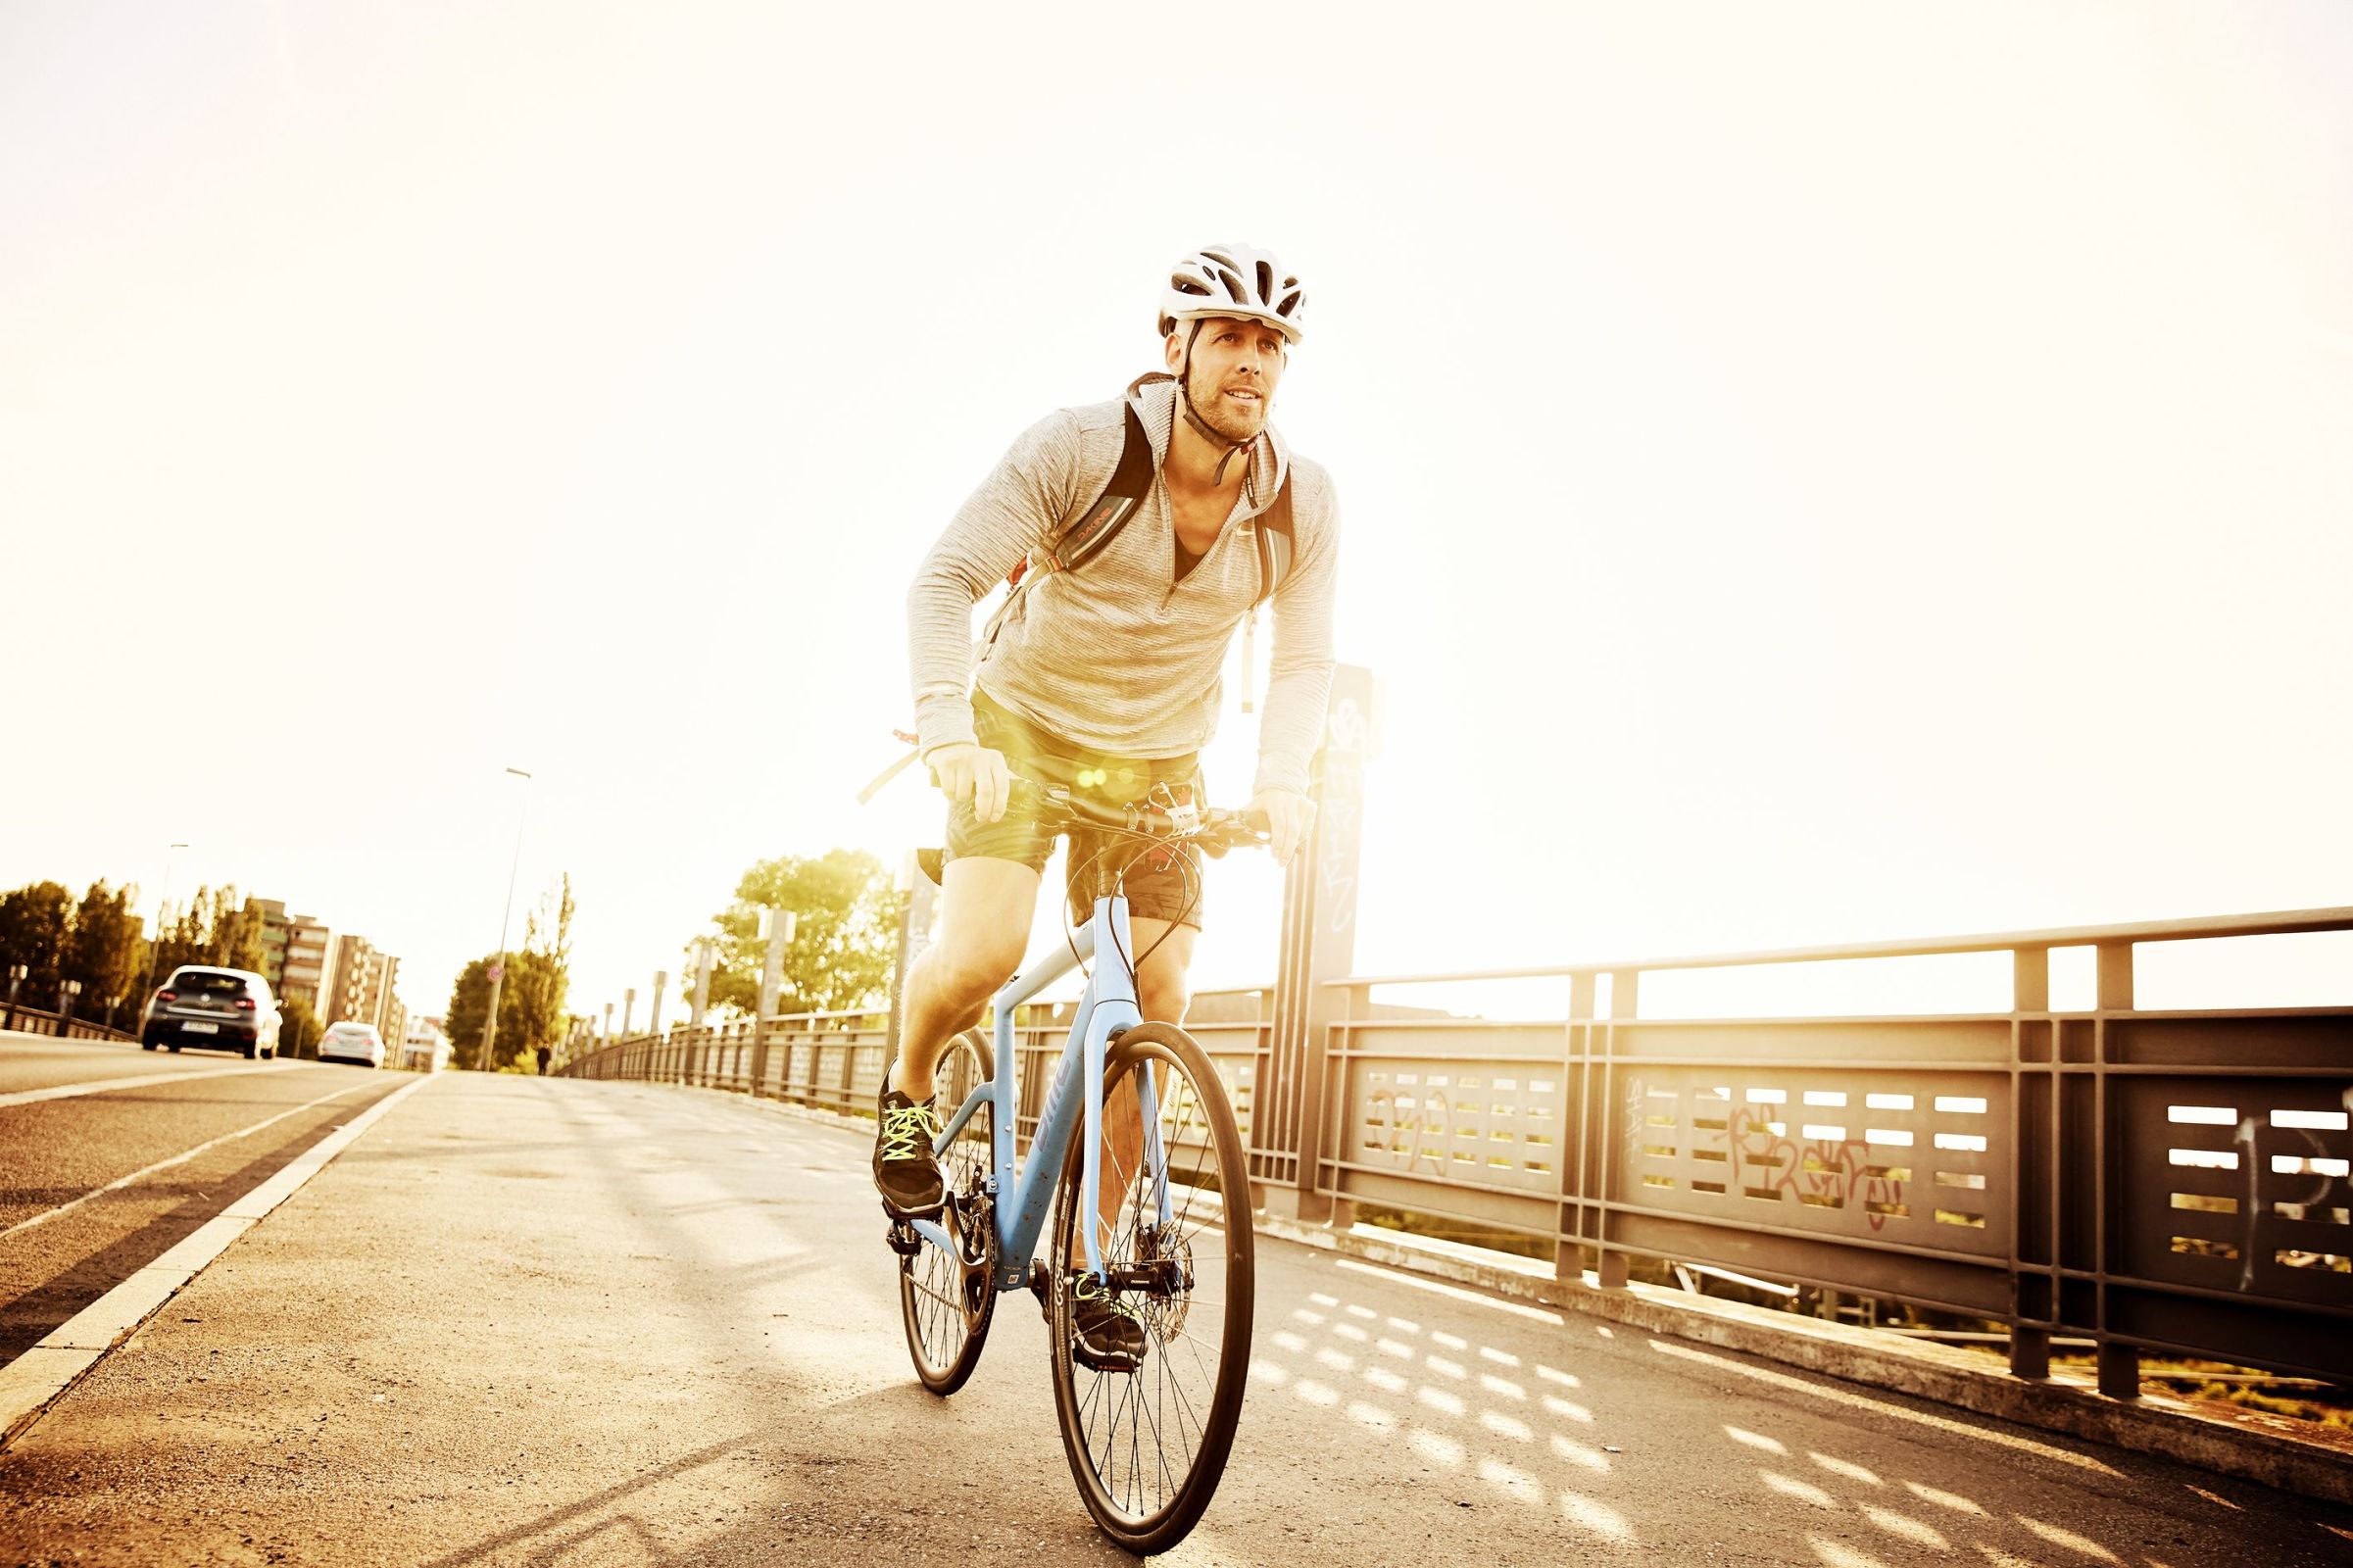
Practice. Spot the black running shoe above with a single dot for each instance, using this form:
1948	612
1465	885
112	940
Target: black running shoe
1107	1334
905	1170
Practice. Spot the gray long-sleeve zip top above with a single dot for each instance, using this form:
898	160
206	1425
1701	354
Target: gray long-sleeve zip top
1119	655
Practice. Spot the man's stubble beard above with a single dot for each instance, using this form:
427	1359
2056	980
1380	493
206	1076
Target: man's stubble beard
1222	417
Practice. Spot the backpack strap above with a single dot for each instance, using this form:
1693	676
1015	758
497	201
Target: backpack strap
1082	541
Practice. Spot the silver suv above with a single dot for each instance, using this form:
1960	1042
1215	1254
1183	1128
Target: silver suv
221	1009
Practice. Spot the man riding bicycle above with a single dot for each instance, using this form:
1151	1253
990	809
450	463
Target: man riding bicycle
1102	673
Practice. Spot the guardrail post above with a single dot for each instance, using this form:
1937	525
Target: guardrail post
700	1003
1624	996
1577	1149
914	935
2119	1363
1319	940
2034	1293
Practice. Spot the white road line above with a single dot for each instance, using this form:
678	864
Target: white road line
25	1097
49	1214
34	1381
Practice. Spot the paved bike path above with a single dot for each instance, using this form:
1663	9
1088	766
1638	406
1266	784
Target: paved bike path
584	1323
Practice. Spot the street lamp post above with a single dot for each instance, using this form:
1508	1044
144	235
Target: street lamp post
498	970
147	972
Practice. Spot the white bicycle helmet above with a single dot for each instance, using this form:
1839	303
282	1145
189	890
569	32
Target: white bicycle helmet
1233	280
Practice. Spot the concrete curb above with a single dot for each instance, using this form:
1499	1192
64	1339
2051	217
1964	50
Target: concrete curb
34	1381
2223	1440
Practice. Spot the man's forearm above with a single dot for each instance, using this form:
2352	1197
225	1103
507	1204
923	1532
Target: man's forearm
1293	726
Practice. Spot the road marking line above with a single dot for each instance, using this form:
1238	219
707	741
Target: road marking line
25	1097
32	1383
48	1214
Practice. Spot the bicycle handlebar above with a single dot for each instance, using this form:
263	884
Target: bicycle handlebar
1216	829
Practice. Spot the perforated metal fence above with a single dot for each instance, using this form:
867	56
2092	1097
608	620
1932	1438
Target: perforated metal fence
2166	1181
834	1061
2162	1181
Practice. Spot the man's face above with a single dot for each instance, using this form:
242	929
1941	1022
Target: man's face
1236	367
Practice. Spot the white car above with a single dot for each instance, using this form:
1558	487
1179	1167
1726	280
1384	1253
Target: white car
351	1042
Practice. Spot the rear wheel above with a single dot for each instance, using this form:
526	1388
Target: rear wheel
1147	1446
947	1301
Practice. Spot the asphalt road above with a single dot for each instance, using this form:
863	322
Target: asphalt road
193	1145
555	1322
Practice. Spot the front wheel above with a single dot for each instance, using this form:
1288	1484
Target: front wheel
947	1301
1173	1223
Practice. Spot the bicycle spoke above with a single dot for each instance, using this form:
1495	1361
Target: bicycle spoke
1147	1443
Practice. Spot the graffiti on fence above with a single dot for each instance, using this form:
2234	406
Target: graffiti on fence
1401	1127
1633	1118
2312	1159
1823	1172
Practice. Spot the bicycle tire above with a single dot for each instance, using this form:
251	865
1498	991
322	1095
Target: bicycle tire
1144	1496
947	1304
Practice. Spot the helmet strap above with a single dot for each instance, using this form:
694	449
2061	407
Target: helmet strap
1201	426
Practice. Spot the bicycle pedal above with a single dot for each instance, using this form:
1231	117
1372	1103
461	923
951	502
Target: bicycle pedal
903	1238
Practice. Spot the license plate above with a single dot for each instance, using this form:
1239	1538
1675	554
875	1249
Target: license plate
199	1028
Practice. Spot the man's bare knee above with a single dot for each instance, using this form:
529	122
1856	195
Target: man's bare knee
965	973
985	913
1165	1002
1163	991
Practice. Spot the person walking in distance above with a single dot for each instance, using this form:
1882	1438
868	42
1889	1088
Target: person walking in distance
1139	535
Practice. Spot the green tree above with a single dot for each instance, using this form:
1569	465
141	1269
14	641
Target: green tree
532	996
213	928
542	984
232	929
299	1028
104	950
37	924
844	944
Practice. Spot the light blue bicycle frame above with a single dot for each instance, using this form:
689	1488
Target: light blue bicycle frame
1023	1193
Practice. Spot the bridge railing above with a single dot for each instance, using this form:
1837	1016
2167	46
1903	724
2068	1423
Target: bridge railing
2169	1180
39	1021
835	1060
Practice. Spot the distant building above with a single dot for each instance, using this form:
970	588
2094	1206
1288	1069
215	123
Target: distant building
277	928
341	978
362	988
425	1048
307	970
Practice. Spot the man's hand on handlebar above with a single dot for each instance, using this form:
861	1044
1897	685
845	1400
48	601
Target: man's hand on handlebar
975	773
1287	817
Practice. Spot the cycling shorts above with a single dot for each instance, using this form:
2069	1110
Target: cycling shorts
1163	883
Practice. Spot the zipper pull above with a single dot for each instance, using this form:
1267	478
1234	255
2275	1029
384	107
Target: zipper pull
1250	662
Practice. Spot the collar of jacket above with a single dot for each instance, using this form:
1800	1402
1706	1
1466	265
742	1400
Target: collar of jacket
1153	397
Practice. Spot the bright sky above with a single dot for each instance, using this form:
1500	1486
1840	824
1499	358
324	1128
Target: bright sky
1811	474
